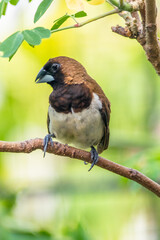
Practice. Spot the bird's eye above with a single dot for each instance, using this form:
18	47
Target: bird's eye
55	67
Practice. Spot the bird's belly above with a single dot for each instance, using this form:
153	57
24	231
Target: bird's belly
83	129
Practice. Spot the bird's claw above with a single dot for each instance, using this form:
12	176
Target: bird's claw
85	163
94	157
47	139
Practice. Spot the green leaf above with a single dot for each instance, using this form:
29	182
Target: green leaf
42	32
4	8
10	57
31	37
20	234
1	7
60	21
80	14
14	2
11	44
42	8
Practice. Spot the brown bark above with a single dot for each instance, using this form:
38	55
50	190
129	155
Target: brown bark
147	31
125	32
64	150
152	47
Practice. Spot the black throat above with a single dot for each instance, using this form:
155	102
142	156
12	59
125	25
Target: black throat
66	98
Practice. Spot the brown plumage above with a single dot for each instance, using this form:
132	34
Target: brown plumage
77	99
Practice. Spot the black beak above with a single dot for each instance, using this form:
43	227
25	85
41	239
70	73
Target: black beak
44	77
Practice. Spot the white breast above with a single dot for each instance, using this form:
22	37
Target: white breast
83	129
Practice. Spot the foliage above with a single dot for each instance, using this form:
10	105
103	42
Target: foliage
34	36
10	46
58	22
44	5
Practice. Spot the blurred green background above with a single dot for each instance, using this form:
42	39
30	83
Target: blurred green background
57	198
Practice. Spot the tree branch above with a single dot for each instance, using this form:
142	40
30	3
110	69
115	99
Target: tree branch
77	25
152	47
64	150
146	29
119	6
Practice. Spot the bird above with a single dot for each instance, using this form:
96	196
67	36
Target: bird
79	111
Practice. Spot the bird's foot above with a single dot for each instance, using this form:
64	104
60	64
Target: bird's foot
94	157
47	139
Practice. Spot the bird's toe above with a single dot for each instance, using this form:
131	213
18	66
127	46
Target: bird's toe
47	139
94	157
85	163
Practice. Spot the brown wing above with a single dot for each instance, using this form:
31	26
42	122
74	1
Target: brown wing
48	121
105	113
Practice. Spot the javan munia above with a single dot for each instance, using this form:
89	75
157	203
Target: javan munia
79	111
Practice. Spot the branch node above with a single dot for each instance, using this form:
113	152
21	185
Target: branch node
77	25
133	173
151	27
125	32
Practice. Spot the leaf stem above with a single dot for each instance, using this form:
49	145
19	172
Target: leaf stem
87	21
74	19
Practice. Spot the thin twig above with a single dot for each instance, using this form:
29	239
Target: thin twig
64	150
125	32
77	25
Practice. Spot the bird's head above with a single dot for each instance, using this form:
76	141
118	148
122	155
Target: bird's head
61	70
